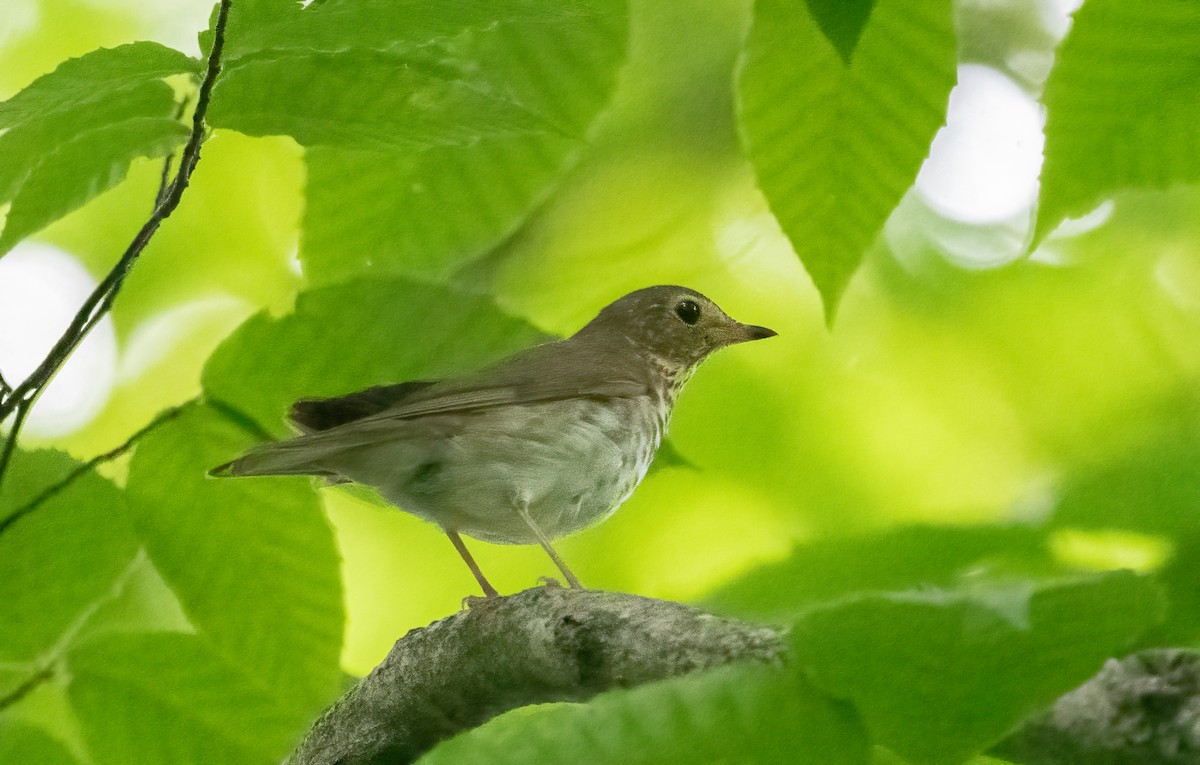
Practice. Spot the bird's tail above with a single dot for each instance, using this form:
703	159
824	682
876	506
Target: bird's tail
295	457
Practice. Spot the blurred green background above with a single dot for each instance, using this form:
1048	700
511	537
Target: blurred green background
977	423
944	392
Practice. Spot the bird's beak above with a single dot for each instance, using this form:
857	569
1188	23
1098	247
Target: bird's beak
744	333
753	332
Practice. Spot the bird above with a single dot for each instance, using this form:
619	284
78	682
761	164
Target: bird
536	446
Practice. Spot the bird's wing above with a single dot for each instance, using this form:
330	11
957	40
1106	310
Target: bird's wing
550	372
467	398
311	415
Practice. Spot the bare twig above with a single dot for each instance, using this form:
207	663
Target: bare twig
10	443
164	180
164	416
100	300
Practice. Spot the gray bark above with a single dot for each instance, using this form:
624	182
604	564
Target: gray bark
541	645
1141	710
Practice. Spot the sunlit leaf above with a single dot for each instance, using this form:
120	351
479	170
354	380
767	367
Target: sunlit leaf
252	562
92	77
374	75
87	165
899	559
426	212
21	743
172	698
940	676
60	560
837	145
72	133
842	22
1123	110
738	714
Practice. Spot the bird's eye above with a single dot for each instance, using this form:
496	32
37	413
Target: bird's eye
687	311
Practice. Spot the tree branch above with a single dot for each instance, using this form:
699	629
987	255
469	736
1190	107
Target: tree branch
1144	708
100	300
541	645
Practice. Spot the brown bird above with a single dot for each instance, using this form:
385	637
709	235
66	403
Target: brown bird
543	443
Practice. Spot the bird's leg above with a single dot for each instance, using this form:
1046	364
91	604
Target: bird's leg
488	590
523	509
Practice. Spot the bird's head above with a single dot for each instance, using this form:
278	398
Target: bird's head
676	324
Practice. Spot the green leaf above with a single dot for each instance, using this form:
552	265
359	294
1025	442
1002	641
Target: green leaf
1123	109
1152	488
735	714
28	745
421	213
836	146
58	562
939	676
842	22
171	698
427	212
24	147
71	134
91	163
897	559
352	336
1180	577
92	77
253	563
380	75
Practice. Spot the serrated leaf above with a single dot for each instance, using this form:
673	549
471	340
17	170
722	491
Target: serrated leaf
940	676
172	699
253	563
24	146
735	714
94	76
59	560
363	76
352	336
894	560
836	146
364	99
71	134
425	213
1123	109
89	164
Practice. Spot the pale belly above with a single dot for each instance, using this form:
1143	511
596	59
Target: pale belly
572	463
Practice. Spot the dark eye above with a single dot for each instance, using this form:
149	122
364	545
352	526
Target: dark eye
688	311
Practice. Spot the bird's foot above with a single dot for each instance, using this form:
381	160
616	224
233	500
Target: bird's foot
474	601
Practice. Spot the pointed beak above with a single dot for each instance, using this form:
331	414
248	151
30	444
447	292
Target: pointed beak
753	332
744	333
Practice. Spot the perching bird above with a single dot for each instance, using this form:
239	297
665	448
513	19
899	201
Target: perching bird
541	444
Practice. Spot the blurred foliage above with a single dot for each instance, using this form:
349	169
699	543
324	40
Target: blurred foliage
932	493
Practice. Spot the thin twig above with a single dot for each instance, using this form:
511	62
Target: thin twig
45	674
5	388
164	180
162	417
10	442
100	300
